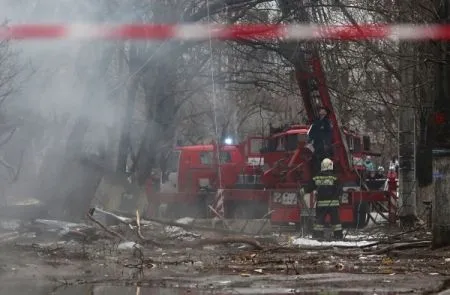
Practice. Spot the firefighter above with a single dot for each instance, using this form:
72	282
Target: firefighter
328	192
320	136
380	173
376	179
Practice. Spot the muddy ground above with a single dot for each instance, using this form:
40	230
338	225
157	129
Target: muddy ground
376	260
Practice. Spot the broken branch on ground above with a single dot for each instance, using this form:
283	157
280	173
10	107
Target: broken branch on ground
135	225
106	229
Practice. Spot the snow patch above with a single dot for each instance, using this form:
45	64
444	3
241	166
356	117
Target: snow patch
28	202
310	242
59	223
11	224
178	232
128	246
185	220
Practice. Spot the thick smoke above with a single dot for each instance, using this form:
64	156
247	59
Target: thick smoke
63	95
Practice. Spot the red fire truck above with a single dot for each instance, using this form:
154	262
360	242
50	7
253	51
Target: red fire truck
262	177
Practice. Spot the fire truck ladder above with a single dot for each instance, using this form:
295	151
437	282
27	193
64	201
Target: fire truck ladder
315	94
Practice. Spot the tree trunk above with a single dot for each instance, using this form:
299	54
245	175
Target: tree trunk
146	157
441	202
424	160
157	75
407	181
125	139
134	68
81	170
407	139
160	98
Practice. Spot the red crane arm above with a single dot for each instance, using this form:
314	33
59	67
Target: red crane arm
312	83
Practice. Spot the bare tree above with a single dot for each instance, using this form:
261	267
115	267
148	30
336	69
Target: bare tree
166	76
10	70
9	83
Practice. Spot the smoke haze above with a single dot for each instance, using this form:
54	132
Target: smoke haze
63	94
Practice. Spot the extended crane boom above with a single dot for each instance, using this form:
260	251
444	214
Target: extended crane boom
312	84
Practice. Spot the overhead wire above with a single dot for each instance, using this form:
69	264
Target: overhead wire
213	95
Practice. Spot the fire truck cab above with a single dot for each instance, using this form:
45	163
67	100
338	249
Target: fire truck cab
192	167
192	171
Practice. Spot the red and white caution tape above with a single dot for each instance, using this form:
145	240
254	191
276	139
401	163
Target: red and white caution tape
198	32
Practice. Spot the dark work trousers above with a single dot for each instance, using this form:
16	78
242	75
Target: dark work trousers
321	151
324	208
317	158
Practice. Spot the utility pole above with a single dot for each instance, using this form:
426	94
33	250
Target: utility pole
441	137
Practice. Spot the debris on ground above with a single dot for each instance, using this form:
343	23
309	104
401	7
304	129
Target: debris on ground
182	247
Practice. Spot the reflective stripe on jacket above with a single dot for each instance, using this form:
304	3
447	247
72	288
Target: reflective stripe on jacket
328	203
327	187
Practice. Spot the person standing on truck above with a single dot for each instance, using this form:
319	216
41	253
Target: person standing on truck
395	163
368	164
320	136
329	191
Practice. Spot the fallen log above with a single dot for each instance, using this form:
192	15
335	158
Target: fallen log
202	242
197	227
225	240
132	221
390	238
400	246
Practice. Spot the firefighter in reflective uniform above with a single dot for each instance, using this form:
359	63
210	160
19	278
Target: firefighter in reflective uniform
328	192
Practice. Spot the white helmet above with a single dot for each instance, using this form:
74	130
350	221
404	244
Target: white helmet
380	169
327	165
